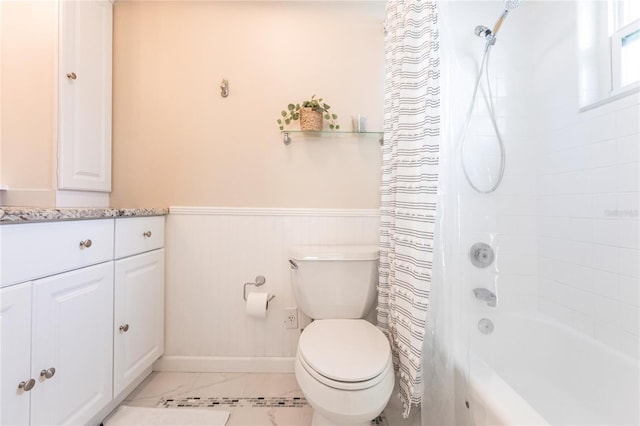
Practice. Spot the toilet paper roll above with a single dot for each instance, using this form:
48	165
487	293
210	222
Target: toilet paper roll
257	305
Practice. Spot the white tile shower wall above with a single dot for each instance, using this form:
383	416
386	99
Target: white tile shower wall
212	252
505	219
587	199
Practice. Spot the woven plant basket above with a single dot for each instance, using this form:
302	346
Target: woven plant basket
310	120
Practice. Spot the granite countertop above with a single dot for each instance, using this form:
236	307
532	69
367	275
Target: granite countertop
44	214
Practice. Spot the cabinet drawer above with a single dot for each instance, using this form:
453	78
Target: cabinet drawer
138	234
35	250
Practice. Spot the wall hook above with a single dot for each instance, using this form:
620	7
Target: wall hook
287	138
224	88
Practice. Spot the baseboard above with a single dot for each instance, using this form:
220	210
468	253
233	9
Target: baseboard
205	364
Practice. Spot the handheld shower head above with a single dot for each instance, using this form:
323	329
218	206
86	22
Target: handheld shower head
490	35
509	5
512	4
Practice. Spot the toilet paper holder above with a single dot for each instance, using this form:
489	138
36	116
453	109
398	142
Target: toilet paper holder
260	280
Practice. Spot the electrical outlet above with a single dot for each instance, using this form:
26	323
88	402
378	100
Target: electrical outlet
291	318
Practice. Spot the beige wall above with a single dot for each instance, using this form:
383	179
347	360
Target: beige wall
28	51
176	141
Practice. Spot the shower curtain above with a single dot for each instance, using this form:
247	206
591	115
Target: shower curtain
409	185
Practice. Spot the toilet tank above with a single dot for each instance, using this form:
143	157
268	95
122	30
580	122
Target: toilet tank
332	282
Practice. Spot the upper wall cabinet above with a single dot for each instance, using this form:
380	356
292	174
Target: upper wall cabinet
84	81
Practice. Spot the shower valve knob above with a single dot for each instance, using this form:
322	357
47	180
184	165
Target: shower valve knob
481	255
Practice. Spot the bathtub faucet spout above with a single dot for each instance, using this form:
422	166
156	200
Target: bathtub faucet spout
485	295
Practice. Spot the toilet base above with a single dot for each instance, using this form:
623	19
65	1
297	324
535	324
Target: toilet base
334	407
320	420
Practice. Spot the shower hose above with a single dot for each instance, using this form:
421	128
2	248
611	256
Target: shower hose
484	69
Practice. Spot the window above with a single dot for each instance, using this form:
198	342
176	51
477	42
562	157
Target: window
624	25
609	50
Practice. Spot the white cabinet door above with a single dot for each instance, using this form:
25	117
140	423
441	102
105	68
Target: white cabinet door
15	353
139	316
85	95
72	332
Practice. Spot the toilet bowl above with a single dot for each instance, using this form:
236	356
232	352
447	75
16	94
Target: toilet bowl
343	363
345	370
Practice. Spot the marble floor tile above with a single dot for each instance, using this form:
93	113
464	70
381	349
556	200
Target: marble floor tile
269	417
157	385
265	384
160	386
221	384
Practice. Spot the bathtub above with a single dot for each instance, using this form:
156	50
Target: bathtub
534	371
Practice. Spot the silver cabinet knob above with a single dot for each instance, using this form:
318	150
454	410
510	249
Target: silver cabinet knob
72	76
124	328
85	244
48	373
146	234
27	386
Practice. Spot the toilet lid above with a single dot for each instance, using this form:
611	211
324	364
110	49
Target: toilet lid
345	350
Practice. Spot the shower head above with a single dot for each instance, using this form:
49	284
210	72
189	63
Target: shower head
509	5
490	35
512	4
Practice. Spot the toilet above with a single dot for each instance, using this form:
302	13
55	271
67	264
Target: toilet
343	363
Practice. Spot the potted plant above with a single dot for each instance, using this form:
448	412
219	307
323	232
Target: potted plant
310	113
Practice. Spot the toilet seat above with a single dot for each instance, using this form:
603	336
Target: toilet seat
345	386
346	354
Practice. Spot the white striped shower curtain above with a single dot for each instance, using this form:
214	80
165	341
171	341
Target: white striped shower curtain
409	184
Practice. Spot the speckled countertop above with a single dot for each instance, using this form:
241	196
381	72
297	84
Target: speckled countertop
43	214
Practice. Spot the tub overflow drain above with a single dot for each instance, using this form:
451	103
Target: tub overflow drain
485	326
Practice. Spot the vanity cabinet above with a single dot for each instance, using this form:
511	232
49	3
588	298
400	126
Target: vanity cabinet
37	250
56	347
75	335
84	81
139	298
16	380
71	333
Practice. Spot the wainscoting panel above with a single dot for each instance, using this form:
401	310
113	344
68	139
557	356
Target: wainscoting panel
212	252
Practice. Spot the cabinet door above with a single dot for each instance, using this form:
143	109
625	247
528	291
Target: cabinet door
85	95
72	332
15	353
139	316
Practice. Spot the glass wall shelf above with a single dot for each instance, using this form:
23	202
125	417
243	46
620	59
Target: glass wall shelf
324	133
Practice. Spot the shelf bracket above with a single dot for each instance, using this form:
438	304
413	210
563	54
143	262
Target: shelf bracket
286	138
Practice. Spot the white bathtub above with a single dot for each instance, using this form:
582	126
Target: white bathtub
535	371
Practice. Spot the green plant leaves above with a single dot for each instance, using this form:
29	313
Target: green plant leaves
293	112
